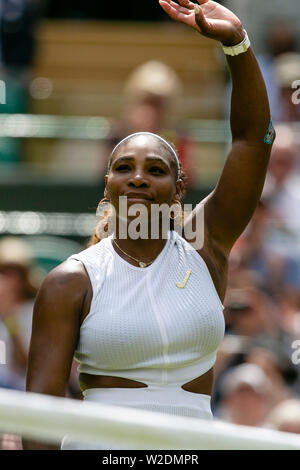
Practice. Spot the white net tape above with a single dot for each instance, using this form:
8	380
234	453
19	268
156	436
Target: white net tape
49	419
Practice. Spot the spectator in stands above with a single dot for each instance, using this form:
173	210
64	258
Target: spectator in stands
275	266
249	312
17	290
285	417
270	12
287	71
279	65
246	396
272	356
10	442
256	330
280	39
281	191
151	93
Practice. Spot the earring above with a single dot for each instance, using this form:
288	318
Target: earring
179	212
105	226
103	206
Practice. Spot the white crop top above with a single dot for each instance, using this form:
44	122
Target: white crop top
141	326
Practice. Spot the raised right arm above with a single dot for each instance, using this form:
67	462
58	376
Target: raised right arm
56	321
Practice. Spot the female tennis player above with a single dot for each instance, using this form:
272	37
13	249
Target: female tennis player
144	317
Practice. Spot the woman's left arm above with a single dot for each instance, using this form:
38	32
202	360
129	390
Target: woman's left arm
229	208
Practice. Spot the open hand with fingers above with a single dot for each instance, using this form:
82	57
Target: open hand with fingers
208	18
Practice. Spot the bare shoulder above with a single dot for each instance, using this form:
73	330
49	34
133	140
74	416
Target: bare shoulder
69	272
69	277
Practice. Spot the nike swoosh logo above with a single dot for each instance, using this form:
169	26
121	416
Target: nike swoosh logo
182	284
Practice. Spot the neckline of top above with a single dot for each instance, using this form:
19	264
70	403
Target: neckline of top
136	268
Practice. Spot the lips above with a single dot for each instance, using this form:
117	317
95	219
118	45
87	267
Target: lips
142	196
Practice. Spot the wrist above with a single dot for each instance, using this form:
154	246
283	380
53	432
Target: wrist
236	38
238	48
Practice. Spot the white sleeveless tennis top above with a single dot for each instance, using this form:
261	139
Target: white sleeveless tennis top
141	326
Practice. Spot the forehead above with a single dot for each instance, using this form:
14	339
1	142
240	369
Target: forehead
142	145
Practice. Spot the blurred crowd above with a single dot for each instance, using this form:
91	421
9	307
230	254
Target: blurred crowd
257	374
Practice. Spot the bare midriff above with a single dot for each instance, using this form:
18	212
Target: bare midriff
202	384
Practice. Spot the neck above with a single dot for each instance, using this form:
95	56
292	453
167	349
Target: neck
142	249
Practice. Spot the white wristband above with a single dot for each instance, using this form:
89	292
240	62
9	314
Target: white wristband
239	48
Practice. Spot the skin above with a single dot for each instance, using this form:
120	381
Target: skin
65	296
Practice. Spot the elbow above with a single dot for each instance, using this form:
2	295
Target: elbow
270	135
257	138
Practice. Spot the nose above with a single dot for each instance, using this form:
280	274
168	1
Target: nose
138	180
